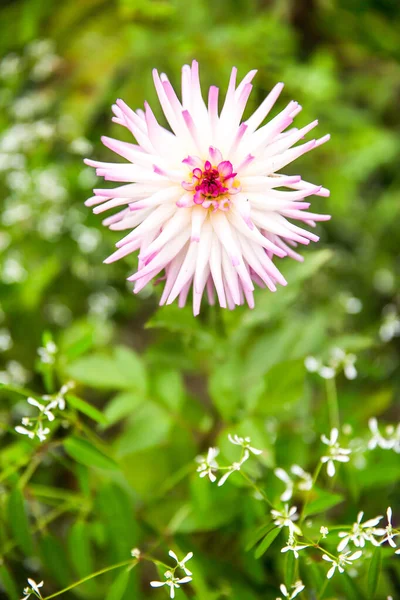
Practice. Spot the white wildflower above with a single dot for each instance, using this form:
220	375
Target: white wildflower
391	440
171	581
234	467
208	465
286	518
24	431
244	443
341	561
389	531
338	360
181	563
361	533
48	353
289	483
292	546
58	400
135	553
297	588
327	372
324	531
42	433
312	364
304	481
390	327
5	340
45	410
352	305
335	452
33	589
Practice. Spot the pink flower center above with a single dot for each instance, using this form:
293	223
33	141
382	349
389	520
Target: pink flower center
212	186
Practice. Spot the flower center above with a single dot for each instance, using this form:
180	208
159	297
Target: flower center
211	185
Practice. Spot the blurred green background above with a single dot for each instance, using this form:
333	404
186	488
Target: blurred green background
179	383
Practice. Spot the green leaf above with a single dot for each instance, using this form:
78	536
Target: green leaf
85	453
169	388
123	369
80	549
87	409
116	510
150	428
118	587
350	588
374	570
289	569
223	387
283	386
8	583
121	406
55	559
266	542
324	501
18	521
256	535
45	271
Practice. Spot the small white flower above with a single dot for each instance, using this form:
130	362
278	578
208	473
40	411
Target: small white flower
341	561
33	589
234	467
208	465
244	443
327	372
46	410
288	481
293	547
390	442
390	327
135	553
335	452
286	518
352	305
47	354
42	433
57	400
361	533
181	563
389	531
171	581
339	358
24	431
324	531
305	478
304	483
312	364
297	588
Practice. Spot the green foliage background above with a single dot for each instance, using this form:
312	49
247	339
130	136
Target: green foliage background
169	385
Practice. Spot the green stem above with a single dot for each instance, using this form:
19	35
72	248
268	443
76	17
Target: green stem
125	563
307	498
256	488
323	589
333	405
33	465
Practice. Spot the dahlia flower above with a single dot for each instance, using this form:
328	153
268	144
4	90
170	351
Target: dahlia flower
205	204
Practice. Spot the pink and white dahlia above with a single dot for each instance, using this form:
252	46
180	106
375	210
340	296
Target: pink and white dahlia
205	203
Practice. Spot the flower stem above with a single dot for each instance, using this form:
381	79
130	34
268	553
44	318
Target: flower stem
256	488
333	405
125	563
307	498
323	589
